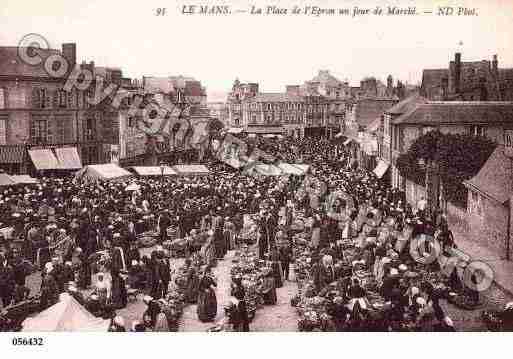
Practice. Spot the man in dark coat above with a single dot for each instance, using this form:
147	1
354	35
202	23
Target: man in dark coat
7	282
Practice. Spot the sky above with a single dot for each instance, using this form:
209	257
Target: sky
273	50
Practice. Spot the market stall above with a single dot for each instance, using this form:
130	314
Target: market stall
67	315
108	171
191	170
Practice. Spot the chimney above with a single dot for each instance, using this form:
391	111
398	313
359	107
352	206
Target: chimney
69	51
457	72
495	66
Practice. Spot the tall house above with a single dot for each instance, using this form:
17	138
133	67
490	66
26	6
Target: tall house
468	81
36	111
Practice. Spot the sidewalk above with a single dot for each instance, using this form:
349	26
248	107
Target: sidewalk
502	269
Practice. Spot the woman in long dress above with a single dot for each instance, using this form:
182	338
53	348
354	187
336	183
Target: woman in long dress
207	301
208	250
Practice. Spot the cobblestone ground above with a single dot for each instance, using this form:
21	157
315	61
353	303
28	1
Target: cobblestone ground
282	317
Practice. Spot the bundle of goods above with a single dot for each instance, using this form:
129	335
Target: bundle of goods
172	306
176	247
313	314
12	316
248	269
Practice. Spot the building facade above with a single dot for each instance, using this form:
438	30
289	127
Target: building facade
316	108
36	111
468	81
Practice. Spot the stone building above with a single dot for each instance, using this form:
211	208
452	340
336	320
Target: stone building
316	108
36	111
468	81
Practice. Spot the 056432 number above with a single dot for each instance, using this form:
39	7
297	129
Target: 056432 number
21	341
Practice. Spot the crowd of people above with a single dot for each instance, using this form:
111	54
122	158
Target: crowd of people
85	235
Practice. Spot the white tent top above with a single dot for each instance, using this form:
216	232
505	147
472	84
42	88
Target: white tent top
154	171
235	130
292	169
191	169
338	135
6	180
267	170
103	171
24	179
65	316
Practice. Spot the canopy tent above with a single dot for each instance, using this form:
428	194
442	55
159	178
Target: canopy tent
235	130
132	187
44	159
381	168
292	169
24	179
68	158
67	315
105	171
187	170
154	171
6	180
272	135
302	166
266	170
338	135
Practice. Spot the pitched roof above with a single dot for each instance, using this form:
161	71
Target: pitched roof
11	63
367	110
276	97
432	78
406	105
437	112
506	74
494	179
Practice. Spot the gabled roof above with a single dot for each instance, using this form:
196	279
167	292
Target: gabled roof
12	65
406	105
494	179
432	78
437	112
369	109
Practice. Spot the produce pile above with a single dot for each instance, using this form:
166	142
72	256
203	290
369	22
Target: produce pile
315	308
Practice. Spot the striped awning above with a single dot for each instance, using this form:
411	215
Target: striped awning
12	154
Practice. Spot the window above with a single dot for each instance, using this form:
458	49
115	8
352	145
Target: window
90	132
269	107
60	131
39	131
427	129
2	98
478	130
131	122
269	118
62	99
42	98
475	205
253	119
3	131
236	122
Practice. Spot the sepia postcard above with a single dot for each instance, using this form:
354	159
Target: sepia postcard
255	166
